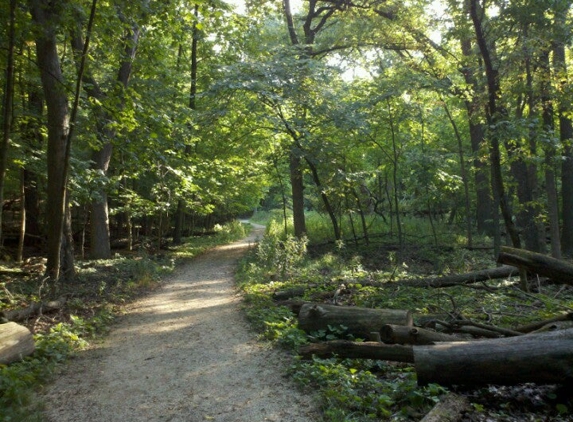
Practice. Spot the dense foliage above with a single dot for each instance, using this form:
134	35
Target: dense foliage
428	125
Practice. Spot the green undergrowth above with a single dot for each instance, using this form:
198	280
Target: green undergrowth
96	296
362	390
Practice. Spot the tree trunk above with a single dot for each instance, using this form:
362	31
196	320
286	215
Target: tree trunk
557	270
44	15
325	201
353	350
16	341
180	212
484	216
565	133
496	116
7	108
359	322
99	234
296	180
33	144
545	358
550	182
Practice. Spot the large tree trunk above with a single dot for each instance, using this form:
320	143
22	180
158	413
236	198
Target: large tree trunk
545	358
359	322
7	108
16	341
99	223
45	16
363	350
557	270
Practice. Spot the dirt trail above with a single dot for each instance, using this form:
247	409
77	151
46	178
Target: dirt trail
184	353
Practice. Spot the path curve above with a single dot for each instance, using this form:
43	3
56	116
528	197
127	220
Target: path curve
184	354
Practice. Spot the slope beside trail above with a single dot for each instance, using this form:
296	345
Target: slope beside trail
183	353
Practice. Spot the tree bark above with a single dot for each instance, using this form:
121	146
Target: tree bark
565	131
45	16
16	341
296	180
7	108
353	350
359	322
557	270
496	116
550	180
545	358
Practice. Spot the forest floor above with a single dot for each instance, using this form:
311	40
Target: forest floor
183	353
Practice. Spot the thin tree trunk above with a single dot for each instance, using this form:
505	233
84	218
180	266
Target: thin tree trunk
496	115
464	175
550	183
566	137
395	178
7	108
296	180
22	236
180	213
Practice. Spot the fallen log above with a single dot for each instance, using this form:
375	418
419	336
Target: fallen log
16	341
449	409
457	279
354	350
33	309
540	324
400	334
544	358
359	322
557	270
289	293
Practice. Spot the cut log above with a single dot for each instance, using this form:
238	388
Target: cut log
353	350
16	341
544	358
33	309
400	334
557	270
359	322
449	409
457	279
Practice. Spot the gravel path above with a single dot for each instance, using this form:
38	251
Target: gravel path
184	353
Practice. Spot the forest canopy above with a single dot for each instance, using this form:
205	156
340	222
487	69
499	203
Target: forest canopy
124	120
